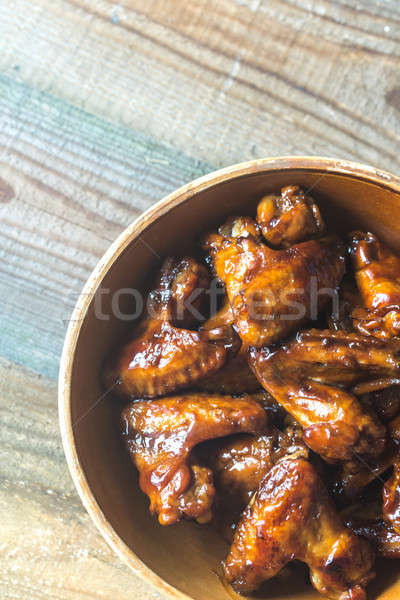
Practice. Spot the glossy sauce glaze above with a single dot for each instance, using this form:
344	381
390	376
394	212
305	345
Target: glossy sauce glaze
276	417
292	518
160	436
377	272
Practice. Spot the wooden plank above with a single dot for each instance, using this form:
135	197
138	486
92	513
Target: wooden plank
49	547
71	182
223	81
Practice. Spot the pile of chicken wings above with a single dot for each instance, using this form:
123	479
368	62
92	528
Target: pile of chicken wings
277	417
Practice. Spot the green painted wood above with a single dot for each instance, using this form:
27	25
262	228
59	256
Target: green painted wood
76	182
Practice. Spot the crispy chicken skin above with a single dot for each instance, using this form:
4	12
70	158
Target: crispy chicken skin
272	292
160	435
162	357
377	271
290	518
297	375
289	218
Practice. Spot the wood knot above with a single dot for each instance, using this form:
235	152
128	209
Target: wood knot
6	192
393	98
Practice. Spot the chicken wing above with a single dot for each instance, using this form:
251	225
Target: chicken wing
162	357
366	520
272	292
352	477
391	498
160	435
235	377
377	271
237	227
380	524
296	374
339	357
348	299
184	283
289	218
384	539
385	402
290	518
240	462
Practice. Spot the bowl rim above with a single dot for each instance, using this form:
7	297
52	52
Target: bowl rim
134	230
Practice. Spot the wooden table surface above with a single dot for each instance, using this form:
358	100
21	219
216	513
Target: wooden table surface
104	108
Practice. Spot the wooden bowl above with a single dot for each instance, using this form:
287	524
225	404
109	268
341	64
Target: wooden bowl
181	561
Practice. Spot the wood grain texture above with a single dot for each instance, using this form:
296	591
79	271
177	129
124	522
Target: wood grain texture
230	80
106	107
71	183
49	548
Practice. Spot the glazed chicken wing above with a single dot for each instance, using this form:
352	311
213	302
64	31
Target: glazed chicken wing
238	227
380	524
385	402
348	299
240	462
391	498
272	292
163	355
235	377
299	375
289	218
353	476
290	518
184	283
377	271
339	357
384	539
160	435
